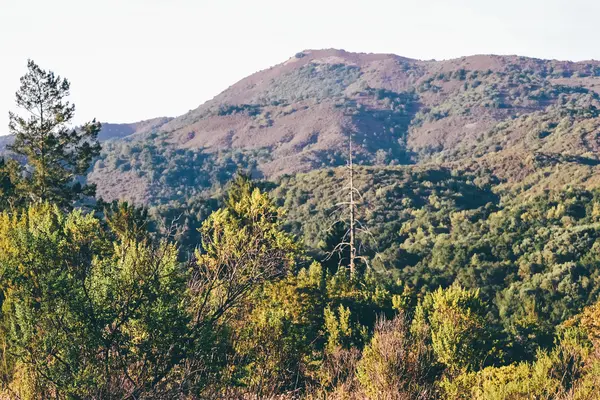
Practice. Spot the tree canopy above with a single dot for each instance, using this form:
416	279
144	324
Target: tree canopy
55	153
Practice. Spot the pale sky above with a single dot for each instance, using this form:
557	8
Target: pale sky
130	60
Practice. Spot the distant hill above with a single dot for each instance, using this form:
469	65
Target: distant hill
5	141
532	123
413	110
118	131
110	131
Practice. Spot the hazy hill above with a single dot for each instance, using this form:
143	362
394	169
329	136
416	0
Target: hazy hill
5	141
119	131
114	131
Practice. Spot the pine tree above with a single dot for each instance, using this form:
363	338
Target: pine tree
56	154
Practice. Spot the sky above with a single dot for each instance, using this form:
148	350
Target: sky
130	60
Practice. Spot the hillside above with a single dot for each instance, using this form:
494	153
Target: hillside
419	230
5	141
515	117
433	227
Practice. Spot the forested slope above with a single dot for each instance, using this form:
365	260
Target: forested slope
456	256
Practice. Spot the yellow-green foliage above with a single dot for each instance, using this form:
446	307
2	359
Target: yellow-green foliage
457	326
588	386
560	373
242	245
78	309
338	326
521	381
98	308
275	337
590	322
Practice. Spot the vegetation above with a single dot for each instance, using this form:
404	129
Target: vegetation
95	307
55	154
224	287
312	81
158	173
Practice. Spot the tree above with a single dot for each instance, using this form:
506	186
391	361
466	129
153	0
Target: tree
127	221
8	179
349	241
243	247
456	325
84	316
56	154
276	343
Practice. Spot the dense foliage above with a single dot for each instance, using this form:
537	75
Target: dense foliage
96	307
227	288
534	262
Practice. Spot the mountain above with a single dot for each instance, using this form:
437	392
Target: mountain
514	117
531	123
476	213
5	141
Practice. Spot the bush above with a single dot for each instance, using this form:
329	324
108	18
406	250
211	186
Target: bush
396	364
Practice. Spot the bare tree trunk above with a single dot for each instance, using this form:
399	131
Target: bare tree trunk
352	221
349	240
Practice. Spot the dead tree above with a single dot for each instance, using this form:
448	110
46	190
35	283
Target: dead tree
349	240
352	209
